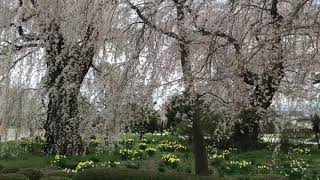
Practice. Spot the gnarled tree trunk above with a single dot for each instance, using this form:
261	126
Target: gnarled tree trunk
265	86
66	69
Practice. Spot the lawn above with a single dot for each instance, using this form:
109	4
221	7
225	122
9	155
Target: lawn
160	156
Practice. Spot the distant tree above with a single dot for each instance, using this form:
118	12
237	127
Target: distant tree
144	119
211	122
174	107
245	134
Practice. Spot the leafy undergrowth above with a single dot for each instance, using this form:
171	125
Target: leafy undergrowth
162	156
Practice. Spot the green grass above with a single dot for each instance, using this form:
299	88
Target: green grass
13	156
29	162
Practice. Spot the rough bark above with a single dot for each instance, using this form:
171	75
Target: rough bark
265	87
318	139
199	148
66	69
316	128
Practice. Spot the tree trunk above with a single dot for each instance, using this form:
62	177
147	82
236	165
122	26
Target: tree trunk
66	69
62	125
199	148
318	139
265	85
245	133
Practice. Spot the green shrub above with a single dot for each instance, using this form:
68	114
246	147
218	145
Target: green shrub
1	167
156	138
32	174
10	170
94	141
11	150
84	165
147	141
295	168
239	167
171	146
170	160
128	142
144	119
245	133
69	165
32	145
13	176
151	151
59	161
130	154
94	159
142	146
63	162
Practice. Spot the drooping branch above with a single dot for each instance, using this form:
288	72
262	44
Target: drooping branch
248	76
151	24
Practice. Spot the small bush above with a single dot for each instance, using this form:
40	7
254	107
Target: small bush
142	146
11	150
13	176
84	165
147	141
171	160
151	151
32	174
33	145
59	161
171	146
94	159
130	154
94	141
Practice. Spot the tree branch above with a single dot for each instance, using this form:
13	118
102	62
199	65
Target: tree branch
150	24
